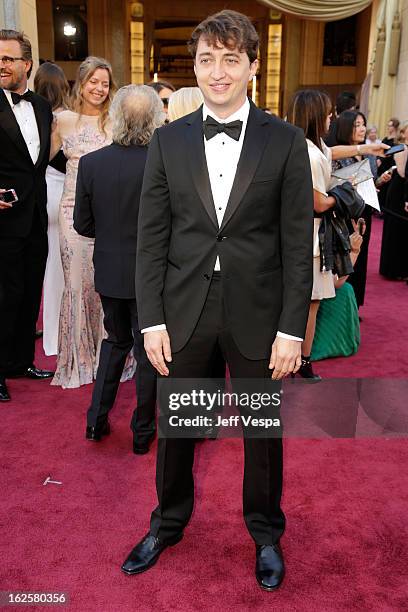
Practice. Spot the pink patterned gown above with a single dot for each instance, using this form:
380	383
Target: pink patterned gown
81	317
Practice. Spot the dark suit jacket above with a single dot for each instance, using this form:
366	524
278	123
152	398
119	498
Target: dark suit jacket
17	170
264	243
106	207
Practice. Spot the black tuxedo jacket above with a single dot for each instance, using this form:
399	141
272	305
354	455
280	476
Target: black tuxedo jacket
17	170
264	243
107	199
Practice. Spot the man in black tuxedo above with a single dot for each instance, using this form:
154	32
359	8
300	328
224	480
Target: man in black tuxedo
224	263
346	100
25	127
106	208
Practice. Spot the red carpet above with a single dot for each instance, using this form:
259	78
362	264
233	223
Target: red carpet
346	501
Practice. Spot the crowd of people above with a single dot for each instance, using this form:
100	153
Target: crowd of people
72	323
72	175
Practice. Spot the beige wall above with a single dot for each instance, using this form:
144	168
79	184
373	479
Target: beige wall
107	35
312	71
303	58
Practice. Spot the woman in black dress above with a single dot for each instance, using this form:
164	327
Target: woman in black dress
385	163
394	246
351	130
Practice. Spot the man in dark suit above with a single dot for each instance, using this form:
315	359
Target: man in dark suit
25	127
224	264
346	100
106	208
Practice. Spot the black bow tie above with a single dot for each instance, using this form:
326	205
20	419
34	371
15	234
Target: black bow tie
212	128
17	98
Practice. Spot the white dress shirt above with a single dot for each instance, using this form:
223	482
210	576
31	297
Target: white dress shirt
222	155
25	117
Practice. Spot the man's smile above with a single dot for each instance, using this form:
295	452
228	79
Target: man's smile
220	87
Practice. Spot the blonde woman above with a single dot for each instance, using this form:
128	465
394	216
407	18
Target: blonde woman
183	102
81	130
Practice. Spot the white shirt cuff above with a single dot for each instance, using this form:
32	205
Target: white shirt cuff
160	327
288	336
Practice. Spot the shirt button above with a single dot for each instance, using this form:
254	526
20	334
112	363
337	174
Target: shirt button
220	209
220	175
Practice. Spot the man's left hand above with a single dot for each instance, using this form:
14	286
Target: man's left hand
286	357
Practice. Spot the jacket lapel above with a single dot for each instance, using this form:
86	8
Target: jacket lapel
198	163
253	146
9	124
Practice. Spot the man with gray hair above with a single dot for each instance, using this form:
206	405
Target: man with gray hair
108	191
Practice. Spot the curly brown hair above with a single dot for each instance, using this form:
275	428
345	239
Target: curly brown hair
230	29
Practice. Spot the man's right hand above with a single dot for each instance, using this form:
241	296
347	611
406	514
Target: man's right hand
4	205
157	345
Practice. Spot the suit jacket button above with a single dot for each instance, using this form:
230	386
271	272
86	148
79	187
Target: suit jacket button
221	238
207	276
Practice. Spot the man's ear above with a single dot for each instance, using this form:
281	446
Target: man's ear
194	67
253	69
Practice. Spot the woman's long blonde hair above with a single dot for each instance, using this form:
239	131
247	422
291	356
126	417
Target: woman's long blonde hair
85	72
183	102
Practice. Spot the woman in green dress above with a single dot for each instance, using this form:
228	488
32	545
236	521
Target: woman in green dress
337	326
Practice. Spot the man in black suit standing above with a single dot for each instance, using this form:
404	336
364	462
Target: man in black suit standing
224	264
106	208
25	127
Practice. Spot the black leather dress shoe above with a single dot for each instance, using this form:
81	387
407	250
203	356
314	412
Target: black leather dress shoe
269	569
37	374
141	448
31	372
4	394
147	553
95	433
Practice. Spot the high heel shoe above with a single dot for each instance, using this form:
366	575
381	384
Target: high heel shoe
306	371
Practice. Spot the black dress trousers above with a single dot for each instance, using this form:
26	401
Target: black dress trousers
22	268
262	488
121	324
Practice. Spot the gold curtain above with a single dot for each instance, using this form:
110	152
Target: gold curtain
319	10
382	97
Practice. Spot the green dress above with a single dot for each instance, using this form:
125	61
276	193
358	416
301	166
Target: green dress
337	326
